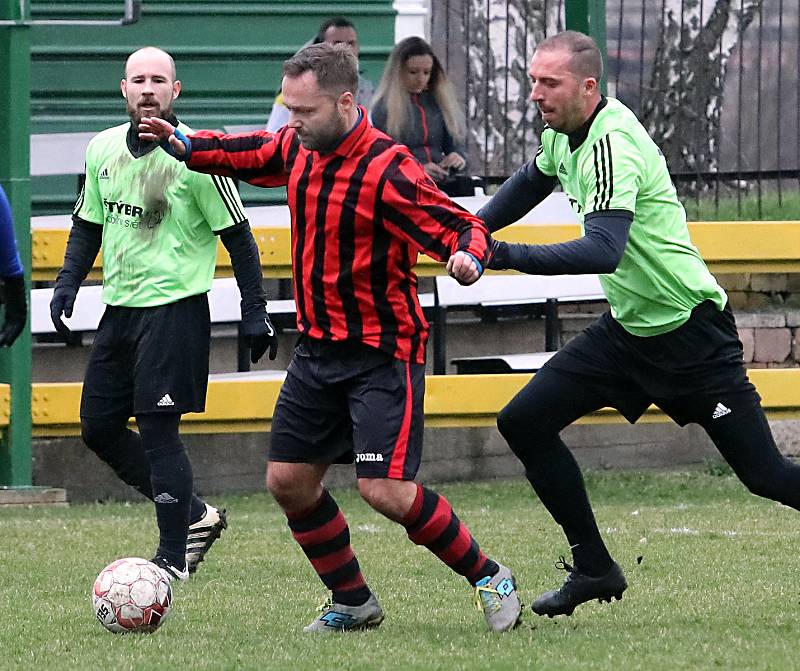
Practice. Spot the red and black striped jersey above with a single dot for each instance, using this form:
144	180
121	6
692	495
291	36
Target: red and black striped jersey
360	214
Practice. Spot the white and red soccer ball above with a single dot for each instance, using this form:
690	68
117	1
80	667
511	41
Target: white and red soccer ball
131	594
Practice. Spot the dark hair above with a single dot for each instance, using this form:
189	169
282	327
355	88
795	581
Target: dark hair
333	22
586	59
334	65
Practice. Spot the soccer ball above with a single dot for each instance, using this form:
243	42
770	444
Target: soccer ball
131	594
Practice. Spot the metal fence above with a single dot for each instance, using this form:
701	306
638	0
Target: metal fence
715	82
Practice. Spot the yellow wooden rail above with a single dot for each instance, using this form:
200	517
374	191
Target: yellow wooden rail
5	407
245	402
727	247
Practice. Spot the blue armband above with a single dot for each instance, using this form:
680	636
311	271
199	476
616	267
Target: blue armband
477	263
167	147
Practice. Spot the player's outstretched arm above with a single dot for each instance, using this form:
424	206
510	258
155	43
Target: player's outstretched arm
518	195
175	143
600	250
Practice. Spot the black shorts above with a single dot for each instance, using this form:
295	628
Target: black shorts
679	371
345	401
149	360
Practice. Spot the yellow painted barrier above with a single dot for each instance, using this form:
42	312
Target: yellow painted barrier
5	407
245	402
727	247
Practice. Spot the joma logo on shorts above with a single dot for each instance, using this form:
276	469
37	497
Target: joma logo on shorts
368	456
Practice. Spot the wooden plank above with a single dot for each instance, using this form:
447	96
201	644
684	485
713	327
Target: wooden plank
25	497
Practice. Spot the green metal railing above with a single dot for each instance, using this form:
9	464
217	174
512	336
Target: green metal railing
15	363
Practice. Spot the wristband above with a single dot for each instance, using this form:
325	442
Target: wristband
477	263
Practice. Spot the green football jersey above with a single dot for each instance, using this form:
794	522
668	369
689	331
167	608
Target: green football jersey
158	220
661	276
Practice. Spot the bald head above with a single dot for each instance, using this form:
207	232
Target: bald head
151	56
149	85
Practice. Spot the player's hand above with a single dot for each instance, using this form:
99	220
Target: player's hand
16	310
61	304
464	268
155	129
259	334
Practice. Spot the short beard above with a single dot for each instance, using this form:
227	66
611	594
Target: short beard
136	118
328	142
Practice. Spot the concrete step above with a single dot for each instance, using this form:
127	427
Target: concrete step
12	497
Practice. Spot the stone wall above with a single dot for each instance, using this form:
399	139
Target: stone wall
767	309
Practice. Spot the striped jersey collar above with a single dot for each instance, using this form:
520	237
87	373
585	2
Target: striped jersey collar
577	137
351	139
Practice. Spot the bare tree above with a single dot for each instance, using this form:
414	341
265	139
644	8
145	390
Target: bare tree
501	37
682	108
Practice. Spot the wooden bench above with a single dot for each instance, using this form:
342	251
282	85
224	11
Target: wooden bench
223	302
495	293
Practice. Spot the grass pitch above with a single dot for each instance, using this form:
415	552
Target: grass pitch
712	572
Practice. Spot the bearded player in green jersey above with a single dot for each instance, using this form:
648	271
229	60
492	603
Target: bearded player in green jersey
158	223
670	337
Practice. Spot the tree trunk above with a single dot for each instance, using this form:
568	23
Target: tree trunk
501	37
682	107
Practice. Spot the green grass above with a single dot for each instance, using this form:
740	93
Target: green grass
716	586
730	209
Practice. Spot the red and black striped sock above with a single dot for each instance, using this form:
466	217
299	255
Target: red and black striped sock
431	522
323	534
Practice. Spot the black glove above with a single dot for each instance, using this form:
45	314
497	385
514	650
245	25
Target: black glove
16	310
259	334
61	303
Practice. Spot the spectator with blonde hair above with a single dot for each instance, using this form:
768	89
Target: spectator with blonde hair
415	104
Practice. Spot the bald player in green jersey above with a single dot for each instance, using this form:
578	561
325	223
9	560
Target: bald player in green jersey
670	337
158	224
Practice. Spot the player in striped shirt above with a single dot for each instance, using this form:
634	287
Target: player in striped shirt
362	208
158	225
670	337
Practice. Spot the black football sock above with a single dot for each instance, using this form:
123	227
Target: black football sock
122	450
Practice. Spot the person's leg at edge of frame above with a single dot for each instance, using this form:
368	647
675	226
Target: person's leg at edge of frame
172	483
321	530
531	424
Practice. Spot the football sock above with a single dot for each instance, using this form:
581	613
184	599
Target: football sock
431	522
171	478
559	484
122	450
324	536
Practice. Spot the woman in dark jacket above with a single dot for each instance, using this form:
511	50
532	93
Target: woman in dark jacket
415	104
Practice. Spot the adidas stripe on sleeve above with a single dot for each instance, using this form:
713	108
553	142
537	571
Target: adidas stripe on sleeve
611	174
219	201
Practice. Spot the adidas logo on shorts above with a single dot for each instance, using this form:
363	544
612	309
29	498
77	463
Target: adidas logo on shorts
720	411
166	400
165	497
